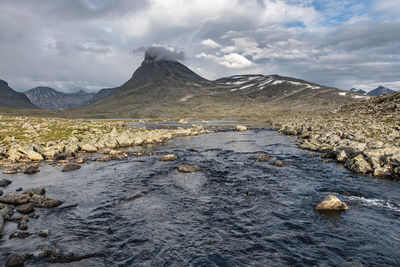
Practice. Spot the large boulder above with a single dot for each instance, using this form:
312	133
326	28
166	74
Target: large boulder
124	139
331	203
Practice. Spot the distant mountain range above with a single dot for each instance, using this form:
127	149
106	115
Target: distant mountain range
12	99
376	92
48	98
166	88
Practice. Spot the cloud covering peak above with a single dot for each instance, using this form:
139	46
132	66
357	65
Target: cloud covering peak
161	53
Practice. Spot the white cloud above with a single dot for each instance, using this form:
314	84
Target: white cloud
210	43
232	60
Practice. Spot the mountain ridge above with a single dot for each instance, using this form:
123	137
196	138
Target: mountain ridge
12	99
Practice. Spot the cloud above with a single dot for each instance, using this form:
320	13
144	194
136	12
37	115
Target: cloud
160	52
87	43
232	60
210	43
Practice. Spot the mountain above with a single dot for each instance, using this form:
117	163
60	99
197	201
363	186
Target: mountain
380	91
103	93
12	99
48	98
358	91
167	88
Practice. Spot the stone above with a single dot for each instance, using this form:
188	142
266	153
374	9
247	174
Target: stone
88	148
278	163
169	157
15	260
342	156
124	139
45	202
10	171
70	167
26	208
30	169
241	128
331	203
37	190
15	198
106	158
4	182
189	168
44	233
263	158
6	211
23	225
19	235
80	161
358	165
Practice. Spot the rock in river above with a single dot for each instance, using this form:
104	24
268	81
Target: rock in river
169	157
331	203
30	169
26	208
263	158
4	182
15	260
15	198
70	167
278	163
189	168
45	202
241	128
358	164
38	191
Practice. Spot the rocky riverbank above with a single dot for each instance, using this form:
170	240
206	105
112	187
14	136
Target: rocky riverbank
25	142
365	137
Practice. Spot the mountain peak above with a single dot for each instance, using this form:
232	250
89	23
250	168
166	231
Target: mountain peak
381	90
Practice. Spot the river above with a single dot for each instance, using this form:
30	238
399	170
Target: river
235	212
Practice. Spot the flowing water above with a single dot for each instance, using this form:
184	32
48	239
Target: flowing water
236	212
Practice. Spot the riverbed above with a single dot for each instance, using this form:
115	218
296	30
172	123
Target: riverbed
235	212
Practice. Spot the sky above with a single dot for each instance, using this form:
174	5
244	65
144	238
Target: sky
94	44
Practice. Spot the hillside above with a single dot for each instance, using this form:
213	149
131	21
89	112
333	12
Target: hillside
12	99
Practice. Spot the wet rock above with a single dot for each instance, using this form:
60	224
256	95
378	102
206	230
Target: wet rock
278	163
23	225
70	167
30	169
136	196
19	235
15	198
189	168
26	208
45	202
358	164
1	193
241	128
106	158
331	203
6	211
18	189
80	161
15	260
44	233
169	157
4	182
38	191
263	158
10	171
